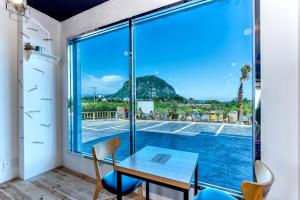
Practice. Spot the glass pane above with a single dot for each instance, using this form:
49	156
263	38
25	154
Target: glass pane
103	102
194	87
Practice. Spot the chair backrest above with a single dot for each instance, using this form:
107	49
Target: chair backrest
258	190
102	150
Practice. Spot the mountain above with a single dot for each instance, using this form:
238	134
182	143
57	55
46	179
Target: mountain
148	87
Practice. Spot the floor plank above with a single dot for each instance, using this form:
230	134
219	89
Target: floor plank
4	197
26	187
13	192
57	184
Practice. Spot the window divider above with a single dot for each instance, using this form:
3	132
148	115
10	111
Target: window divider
132	88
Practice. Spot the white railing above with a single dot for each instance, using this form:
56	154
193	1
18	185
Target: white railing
99	115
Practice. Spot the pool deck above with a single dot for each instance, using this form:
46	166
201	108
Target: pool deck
225	150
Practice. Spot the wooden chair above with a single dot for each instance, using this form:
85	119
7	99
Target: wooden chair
109	181
264	179
251	190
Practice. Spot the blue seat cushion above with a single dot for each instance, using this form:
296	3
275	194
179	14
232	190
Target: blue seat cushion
213	194
109	182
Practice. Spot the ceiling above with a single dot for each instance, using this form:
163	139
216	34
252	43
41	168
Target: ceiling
63	9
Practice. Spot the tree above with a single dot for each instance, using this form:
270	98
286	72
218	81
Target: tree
245	71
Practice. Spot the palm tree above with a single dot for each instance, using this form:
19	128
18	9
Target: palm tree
245	71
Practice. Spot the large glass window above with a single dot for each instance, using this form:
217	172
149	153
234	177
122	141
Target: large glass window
194	87
102	65
180	78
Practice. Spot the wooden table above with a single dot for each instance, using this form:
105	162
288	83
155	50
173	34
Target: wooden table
170	168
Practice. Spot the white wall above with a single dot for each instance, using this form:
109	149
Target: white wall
8	96
280	95
40	140
9	62
299	97
108	12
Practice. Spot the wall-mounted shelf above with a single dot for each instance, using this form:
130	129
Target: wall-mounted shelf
50	58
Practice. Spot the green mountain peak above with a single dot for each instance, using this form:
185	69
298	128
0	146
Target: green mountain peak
147	87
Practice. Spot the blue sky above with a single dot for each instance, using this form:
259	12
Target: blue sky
199	52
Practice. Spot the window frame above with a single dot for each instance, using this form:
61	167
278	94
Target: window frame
165	10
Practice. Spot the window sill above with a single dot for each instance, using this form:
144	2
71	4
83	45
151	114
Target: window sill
90	157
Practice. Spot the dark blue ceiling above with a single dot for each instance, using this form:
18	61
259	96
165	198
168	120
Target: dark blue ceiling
63	9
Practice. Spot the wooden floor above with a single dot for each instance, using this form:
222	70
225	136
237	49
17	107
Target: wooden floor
57	184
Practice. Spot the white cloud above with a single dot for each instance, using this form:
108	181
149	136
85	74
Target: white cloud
156	72
247	31
111	78
108	84
230	74
233	64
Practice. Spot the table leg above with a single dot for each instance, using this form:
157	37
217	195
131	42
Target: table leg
147	190
196	180
186	195
119	186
